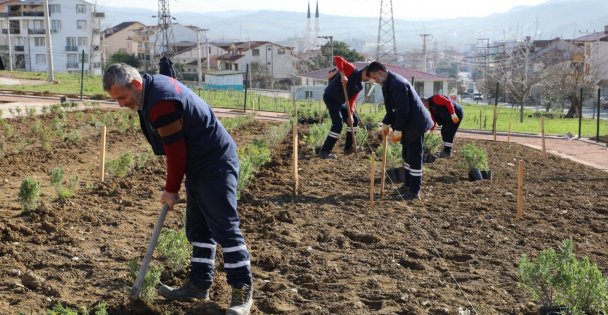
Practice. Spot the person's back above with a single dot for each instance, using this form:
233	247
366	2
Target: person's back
207	140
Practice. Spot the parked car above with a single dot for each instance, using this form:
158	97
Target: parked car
477	96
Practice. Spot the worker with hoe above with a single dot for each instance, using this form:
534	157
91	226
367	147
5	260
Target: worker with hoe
181	126
447	114
334	98
408	119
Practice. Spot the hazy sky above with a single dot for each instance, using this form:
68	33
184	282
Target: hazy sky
417	10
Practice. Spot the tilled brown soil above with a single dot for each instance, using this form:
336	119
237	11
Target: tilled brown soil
322	251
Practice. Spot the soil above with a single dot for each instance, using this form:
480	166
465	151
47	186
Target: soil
322	251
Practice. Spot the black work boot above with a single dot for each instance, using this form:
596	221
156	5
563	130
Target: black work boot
327	155
445	154
242	300
187	291
408	195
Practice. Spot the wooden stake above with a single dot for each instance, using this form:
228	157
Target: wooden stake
509	134
383	174
372	176
295	158
102	166
542	132
520	189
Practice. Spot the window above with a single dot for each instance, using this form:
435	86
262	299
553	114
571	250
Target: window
255	52
54	8
72	61
437	87
15	26
70	41
281	51
81	24
419	87
81	8
55	26
38	25
40	59
39	41
82	41
70	44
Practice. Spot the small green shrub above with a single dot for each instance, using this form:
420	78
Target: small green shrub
174	247
250	159
9	131
57	176
31	112
361	137
59	309
474	157
562	279
29	194
432	143
151	280
393	154
64	190
74	136
142	159
121	166
277	134
317	134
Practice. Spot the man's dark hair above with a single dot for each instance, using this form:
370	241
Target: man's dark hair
375	66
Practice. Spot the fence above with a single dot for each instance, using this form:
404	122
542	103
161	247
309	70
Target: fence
593	124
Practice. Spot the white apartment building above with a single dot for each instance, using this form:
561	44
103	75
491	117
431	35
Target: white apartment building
268	62
75	28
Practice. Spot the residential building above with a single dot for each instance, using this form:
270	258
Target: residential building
119	38
426	84
75	29
271	65
595	55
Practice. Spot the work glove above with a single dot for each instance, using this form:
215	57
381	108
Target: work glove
384	130
396	137
455	118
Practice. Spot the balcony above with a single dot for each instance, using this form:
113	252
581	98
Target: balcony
22	14
19	48
35	31
71	65
71	48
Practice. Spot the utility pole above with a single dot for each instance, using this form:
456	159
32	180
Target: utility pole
206	48
10	46
483	55
386	47
424	37
49	45
199	72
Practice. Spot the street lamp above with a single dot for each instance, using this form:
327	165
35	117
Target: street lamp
331	45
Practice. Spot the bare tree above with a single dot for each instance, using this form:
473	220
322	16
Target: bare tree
518	72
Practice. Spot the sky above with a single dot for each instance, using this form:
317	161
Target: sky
403	9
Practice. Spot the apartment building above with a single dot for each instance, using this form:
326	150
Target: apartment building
75	35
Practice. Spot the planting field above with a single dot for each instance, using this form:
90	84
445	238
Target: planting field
324	251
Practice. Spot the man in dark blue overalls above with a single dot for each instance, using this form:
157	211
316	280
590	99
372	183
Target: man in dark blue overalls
409	120
180	125
333	97
447	114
